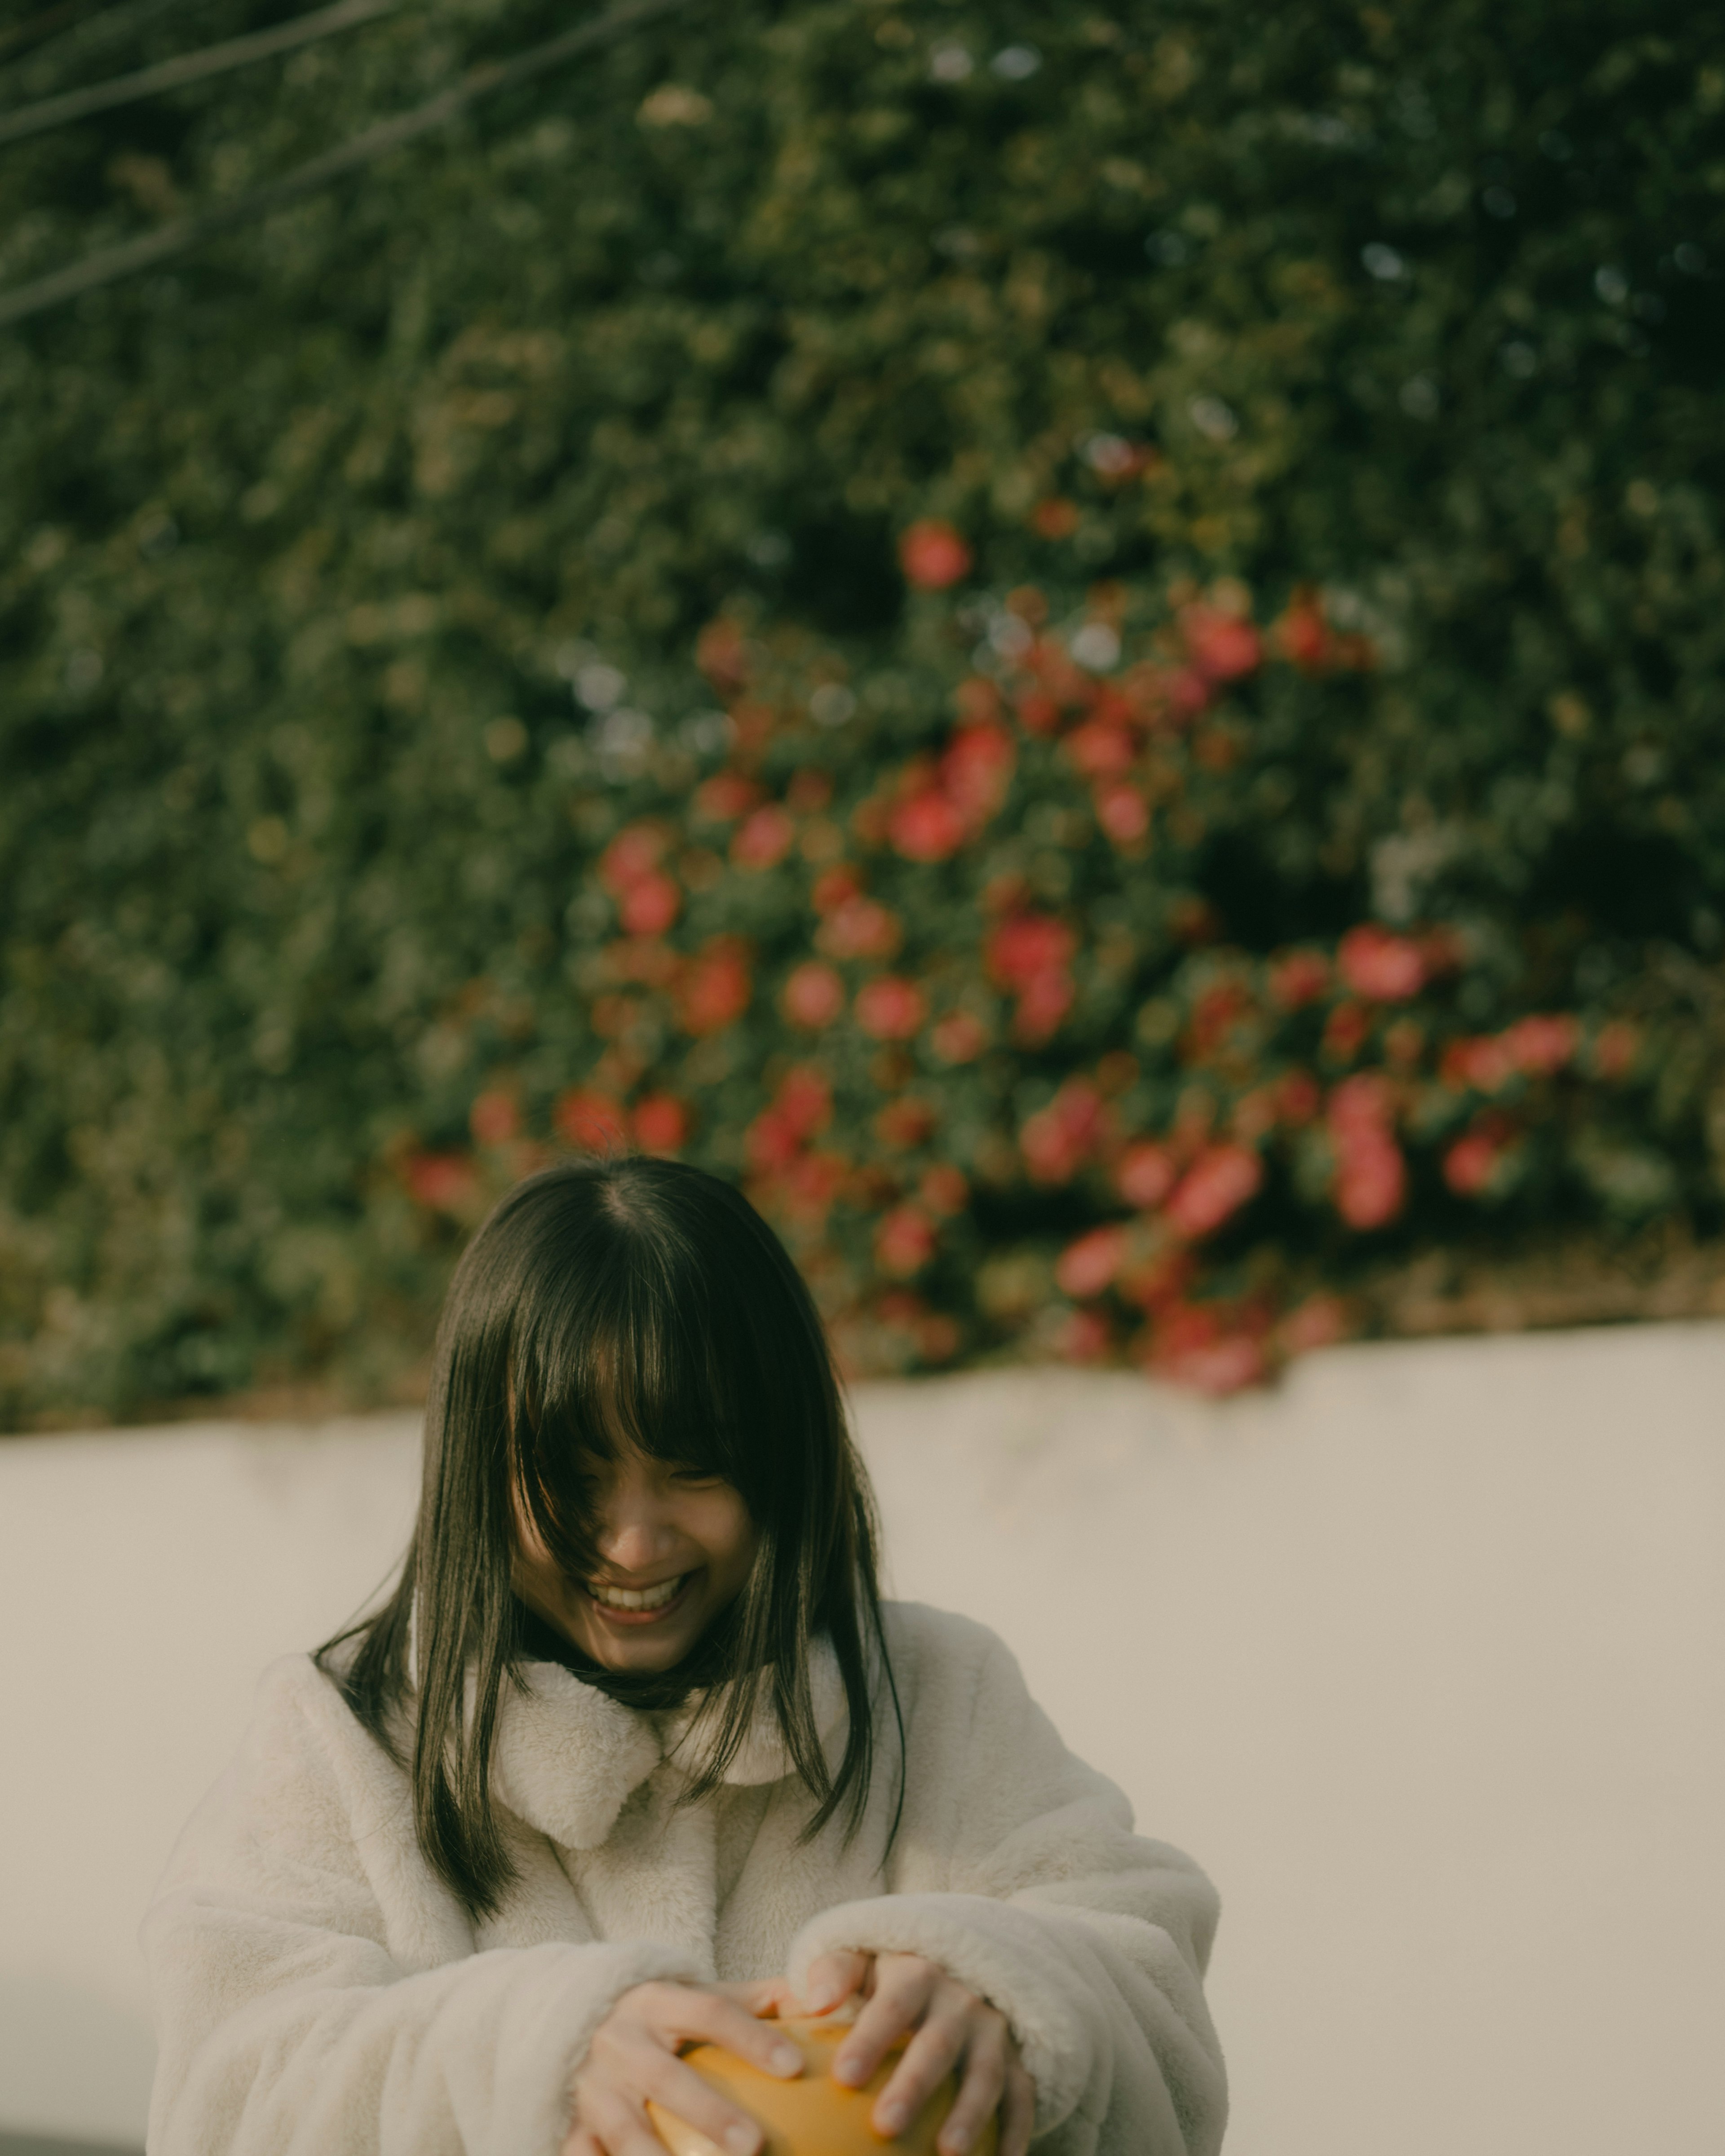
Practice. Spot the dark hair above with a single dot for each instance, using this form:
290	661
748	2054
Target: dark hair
639	1302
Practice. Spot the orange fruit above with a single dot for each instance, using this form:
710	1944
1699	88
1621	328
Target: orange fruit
813	2115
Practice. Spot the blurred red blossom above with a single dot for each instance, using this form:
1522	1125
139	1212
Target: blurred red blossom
1471	1163
444	1182
891	1008
1086	1267
1543	1044
716	989
958	1037
812	995
1123	814
592	1120
661	1123
1144	1174
1299	978
650	905
1221	646
1058	1139
1370	1180
860	927
1374	962
904	1241
1221	1180
933	554
764	838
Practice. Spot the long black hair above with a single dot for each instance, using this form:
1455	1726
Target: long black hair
632	1302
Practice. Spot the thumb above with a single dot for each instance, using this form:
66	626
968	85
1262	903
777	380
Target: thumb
833	1978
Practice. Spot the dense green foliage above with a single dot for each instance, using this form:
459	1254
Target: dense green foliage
304	543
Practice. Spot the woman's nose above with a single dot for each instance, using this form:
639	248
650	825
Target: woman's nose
633	1529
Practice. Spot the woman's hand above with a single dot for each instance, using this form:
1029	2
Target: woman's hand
955	2032
634	2055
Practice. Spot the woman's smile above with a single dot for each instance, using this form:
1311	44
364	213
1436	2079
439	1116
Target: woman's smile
673	1548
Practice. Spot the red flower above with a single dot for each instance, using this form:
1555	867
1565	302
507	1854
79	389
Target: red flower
1616	1046
1057	1139
1054	518
633	854
904	1241
1044	1001
958	1037
1367	1099
1371	1176
976	769
1085	1268
889	1007
933	554
1375	964
943	1189
1345	1032
1480	1064
493	1119
927	827
1303	634
715	989
1298	978
445	1181
661	1122
1145	1174
725	796
1100	750
906	1122
649	907
1026	945
1214	1014
1221	647
812	995
860	928
1470	1164
1084	1336
1193	1345
805	1100
765	838
1220	1181
832	887
592	1120
1540	1046
1297	1097
1039	713
1123	814
771	1142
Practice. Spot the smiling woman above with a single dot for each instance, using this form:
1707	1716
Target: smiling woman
635	1758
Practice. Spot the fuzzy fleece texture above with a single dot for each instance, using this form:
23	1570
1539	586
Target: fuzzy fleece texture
319	1992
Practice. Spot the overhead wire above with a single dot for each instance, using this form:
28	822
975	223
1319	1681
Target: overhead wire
109	264
189	66
106	27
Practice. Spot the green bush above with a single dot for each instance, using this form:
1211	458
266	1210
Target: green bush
305	542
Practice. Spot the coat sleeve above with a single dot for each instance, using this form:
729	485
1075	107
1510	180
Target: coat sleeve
293	2018
1091	1940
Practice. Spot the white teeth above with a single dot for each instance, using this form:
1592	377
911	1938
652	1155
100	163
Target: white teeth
651	1598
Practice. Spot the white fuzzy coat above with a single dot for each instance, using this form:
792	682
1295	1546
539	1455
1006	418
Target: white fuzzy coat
321	1992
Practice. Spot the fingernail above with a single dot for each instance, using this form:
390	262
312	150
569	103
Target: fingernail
848	2068
786	2059
891	2116
955	2141
742	2140
825	1994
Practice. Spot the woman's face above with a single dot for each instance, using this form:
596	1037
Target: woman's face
673	1548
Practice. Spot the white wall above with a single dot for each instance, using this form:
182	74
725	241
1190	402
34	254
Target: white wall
1421	1657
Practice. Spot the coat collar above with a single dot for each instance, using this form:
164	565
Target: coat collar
568	1756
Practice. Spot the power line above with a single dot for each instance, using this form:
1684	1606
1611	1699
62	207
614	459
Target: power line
94	31
112	263
188	67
